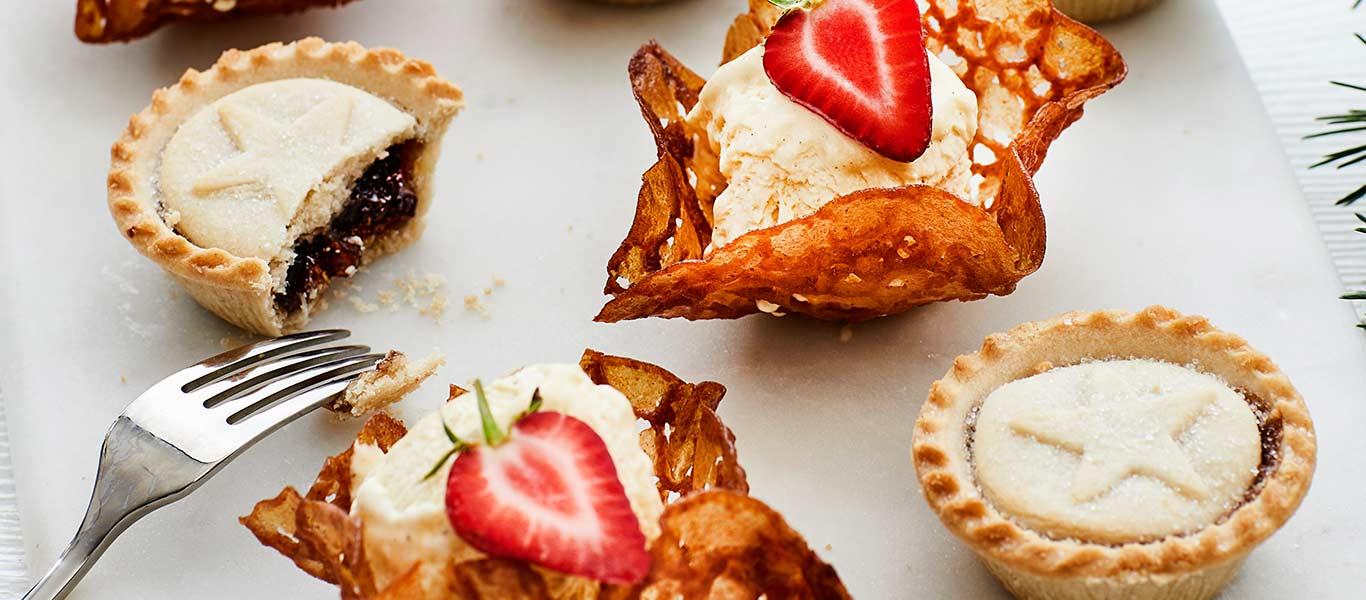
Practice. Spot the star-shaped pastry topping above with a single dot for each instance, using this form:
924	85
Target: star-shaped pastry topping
1118	437
285	160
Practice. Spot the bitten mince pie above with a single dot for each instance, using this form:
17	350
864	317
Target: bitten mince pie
607	479
256	182
1114	455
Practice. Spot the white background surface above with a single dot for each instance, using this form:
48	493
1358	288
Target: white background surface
1171	190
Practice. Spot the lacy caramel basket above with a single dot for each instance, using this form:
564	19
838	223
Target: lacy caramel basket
715	541
874	252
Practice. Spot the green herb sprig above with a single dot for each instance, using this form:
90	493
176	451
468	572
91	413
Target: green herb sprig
1361	295
492	435
1361	191
1352	121
457	446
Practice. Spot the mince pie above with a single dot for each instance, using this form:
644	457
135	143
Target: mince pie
256	182
1114	455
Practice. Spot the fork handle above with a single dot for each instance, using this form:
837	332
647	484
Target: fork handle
134	478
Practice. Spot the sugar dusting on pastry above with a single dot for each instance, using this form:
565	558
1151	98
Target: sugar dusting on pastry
255	168
1116	451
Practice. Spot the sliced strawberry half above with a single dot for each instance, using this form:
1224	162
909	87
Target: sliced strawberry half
547	492
862	66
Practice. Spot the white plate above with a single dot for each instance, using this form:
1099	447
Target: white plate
1171	190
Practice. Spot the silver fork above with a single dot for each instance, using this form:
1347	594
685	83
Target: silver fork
183	429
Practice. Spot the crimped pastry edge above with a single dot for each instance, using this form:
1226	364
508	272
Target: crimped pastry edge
940	455
240	289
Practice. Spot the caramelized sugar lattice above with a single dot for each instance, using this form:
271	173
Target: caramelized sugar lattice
716	541
100	21
724	544
877	251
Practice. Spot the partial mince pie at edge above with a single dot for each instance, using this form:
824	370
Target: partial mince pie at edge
1114	455
256	182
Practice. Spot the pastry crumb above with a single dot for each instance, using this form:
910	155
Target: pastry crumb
426	294
361	305
474	304
123	379
846	333
828	547
391	380
434	309
232	341
422	293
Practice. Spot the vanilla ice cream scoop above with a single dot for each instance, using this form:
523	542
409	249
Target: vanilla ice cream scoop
779	161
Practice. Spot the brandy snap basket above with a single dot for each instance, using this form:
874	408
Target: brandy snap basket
877	251
715	542
104	21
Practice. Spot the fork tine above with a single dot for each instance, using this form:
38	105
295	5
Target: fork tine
262	373
243	408
227	363
276	416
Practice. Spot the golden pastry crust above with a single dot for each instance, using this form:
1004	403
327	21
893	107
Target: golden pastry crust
1198	562
393	378
240	289
873	252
